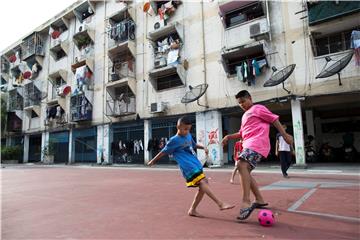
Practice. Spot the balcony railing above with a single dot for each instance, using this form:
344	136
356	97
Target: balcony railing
122	107
121	70
33	45
15	101
32	95
80	108
121	32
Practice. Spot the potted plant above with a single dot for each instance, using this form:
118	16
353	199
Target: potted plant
48	153
11	154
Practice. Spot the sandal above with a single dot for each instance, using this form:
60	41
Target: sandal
246	212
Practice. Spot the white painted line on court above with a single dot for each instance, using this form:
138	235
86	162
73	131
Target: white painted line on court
329	215
301	200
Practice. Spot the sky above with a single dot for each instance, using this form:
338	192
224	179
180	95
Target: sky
20	17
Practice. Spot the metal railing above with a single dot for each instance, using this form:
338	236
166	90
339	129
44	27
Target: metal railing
120	70
121	107
121	32
80	108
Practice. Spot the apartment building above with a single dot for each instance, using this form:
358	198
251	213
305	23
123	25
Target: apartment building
105	81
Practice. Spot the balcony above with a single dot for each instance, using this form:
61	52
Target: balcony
80	108
32	98
14	57
85	58
32	46
121	101
16	101
58	81
55	116
84	11
324	11
121	34
233	58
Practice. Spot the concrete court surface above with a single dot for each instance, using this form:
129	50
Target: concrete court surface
67	202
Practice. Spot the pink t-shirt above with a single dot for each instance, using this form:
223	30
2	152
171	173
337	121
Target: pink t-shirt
255	127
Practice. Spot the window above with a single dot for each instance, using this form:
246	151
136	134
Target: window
169	82
244	14
333	43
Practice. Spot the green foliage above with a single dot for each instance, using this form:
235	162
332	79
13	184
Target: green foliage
11	153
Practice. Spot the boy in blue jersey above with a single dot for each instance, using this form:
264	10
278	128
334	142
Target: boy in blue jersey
181	146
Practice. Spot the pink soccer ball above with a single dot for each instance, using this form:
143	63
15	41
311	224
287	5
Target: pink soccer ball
266	218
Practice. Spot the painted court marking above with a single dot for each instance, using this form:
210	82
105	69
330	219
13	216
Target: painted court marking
313	186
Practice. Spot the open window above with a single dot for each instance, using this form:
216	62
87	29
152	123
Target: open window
233	59
233	13
16	100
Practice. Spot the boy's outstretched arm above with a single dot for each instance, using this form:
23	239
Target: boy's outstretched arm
156	158
230	136
287	137
199	146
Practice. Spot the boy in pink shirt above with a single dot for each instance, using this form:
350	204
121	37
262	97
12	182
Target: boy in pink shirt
254	132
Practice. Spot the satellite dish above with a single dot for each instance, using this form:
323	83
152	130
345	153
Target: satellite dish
336	67
280	76
194	94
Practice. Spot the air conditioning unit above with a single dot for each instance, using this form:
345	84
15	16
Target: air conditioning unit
157	107
159	23
258	29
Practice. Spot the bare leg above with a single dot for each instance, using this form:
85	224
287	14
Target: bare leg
233	175
246	183
204	186
198	197
255	189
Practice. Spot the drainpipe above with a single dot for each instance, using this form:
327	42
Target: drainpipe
204	49
268	17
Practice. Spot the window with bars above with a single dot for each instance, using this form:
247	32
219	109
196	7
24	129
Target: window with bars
332	43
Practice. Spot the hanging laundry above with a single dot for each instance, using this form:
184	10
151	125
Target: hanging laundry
245	66
173	56
355	44
141	145
256	68
262	63
239	73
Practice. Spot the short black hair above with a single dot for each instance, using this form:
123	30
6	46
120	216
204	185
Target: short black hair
243	94
184	120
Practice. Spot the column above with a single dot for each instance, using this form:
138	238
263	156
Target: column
26	148
298	132
44	143
102	153
71	147
147	137
209	133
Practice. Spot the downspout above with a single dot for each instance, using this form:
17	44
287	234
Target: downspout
204	49
268	18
